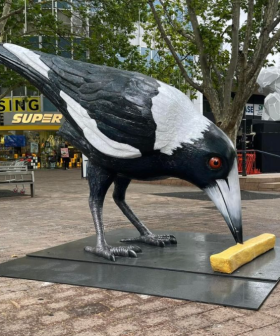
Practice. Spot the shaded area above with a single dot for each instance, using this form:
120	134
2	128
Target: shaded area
201	196
10	193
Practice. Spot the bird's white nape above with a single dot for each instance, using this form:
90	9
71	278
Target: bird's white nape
95	137
176	118
28	57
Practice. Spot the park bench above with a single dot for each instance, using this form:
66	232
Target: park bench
16	173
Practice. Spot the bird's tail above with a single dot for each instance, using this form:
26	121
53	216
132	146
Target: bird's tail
28	64
24	62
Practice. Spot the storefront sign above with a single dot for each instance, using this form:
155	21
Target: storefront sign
258	109
249	109
18	104
64	152
254	109
34	147
28	118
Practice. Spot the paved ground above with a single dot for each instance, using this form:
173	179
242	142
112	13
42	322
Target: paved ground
59	213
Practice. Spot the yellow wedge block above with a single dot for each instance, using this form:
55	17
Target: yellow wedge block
240	254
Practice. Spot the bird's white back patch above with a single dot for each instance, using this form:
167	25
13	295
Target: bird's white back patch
96	138
176	118
28	57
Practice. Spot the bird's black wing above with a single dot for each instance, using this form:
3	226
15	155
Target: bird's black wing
119	101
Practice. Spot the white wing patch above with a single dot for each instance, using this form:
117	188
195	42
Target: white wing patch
97	139
177	120
28	57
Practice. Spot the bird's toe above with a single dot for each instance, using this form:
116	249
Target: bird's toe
125	251
103	252
151	239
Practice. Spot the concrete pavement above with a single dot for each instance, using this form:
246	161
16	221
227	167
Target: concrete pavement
59	213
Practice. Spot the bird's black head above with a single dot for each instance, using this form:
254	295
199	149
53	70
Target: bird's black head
207	159
210	164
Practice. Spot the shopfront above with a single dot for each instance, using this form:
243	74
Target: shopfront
30	129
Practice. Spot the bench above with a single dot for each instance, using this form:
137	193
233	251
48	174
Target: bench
17	175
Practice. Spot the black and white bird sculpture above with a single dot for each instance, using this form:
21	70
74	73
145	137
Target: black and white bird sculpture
131	126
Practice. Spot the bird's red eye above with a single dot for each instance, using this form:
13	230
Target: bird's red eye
215	163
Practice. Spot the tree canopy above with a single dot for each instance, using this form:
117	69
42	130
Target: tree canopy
94	31
216	52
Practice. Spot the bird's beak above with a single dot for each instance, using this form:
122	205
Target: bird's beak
226	196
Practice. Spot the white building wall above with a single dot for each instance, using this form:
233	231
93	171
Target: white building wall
198	102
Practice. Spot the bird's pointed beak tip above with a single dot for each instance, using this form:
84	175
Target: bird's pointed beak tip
238	237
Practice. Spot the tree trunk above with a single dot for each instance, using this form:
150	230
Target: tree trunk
232	134
4	18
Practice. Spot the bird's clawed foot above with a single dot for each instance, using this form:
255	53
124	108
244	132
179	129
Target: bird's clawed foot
151	239
109	252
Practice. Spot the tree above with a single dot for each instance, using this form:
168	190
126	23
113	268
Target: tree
217	54
93	31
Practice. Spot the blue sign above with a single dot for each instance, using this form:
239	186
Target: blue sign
14	141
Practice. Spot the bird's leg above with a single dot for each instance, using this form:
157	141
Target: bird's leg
146	236
99	181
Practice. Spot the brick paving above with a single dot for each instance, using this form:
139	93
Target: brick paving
59	213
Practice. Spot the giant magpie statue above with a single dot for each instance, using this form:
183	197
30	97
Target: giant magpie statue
131	126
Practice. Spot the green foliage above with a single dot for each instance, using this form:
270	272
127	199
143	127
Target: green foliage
101	32
215	27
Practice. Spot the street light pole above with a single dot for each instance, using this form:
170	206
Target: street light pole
243	141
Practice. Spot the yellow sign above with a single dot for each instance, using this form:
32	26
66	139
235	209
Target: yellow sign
31	104
30	118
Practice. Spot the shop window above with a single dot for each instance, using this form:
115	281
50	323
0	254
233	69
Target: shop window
48	106
3	90
64	48
63	4
65	17
32	92
19	92
77	24
155	56
34	40
49	44
77	53
147	52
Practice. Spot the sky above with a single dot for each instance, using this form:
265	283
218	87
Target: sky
276	58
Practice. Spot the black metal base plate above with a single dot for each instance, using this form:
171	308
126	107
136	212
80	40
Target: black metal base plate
191	254
180	272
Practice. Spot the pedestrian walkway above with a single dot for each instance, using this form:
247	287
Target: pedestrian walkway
255	182
59	213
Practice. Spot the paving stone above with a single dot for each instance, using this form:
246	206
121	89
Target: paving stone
157	318
272	330
65	294
192	322
229	328
92	322
257	320
57	305
116	293
122	302
97	296
54	317
156	304
91	333
191	309
221	315
273	311
53	331
81	311
163	330
123	328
